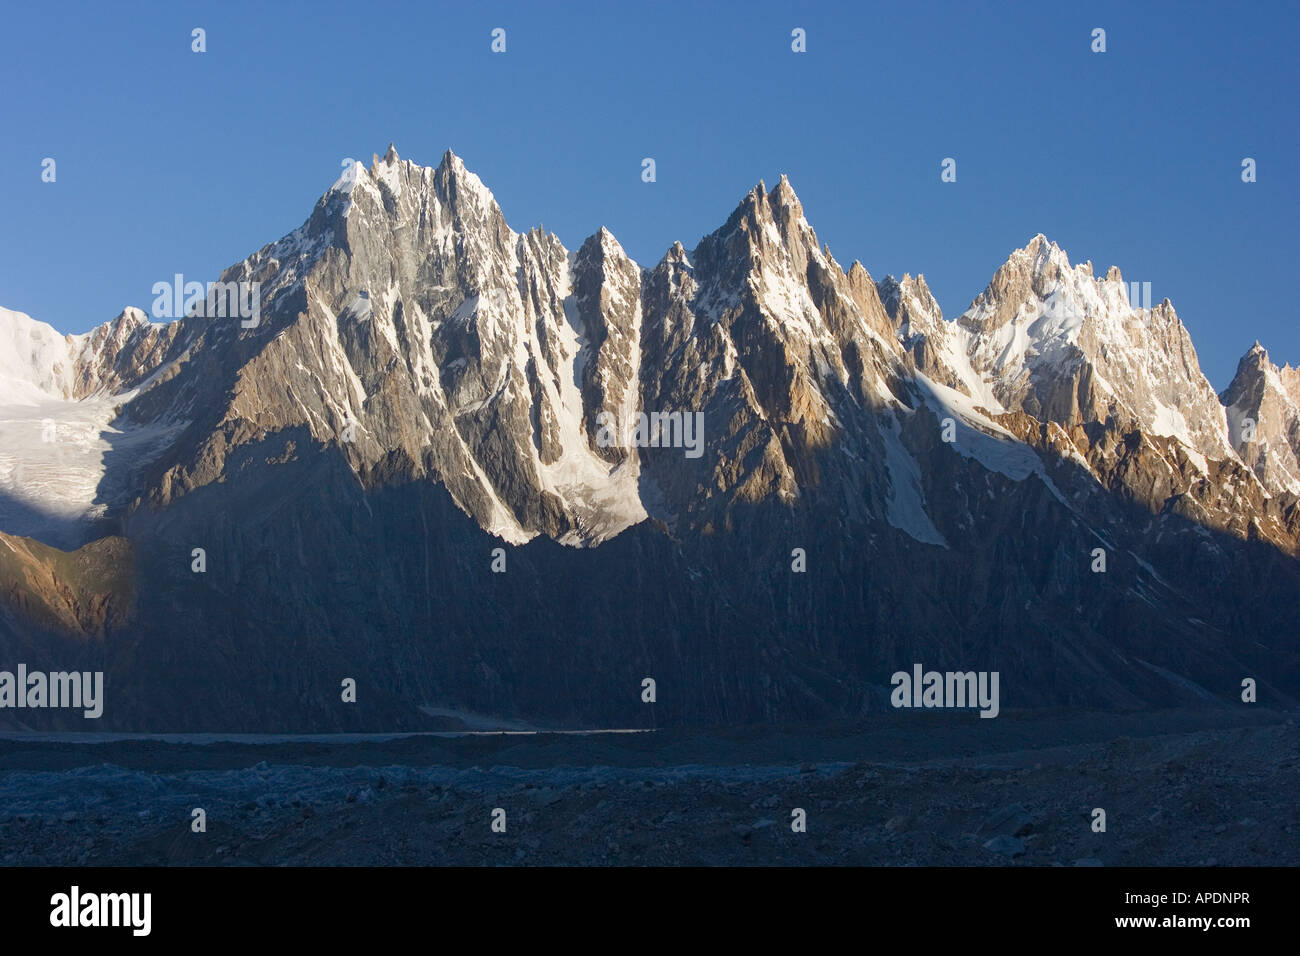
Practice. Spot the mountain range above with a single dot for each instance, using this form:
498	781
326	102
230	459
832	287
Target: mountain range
231	518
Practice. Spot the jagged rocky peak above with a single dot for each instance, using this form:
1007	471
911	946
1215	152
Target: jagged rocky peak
765	226
939	349
1256	364
1063	346
910	304
888	288
786	208
1033	272
462	185
410	317
1263	409
481	358
769	250
38	362
791	362
607	315
122	353
861	284
601	250
403	188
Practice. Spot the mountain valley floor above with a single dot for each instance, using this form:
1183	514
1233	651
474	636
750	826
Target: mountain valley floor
1178	788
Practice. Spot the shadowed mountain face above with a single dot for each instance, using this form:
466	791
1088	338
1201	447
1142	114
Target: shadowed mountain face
759	478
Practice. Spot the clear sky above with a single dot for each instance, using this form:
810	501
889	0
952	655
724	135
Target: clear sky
172	161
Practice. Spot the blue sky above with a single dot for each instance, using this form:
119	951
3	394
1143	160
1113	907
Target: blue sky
171	161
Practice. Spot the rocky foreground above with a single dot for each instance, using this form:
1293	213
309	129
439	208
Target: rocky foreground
895	792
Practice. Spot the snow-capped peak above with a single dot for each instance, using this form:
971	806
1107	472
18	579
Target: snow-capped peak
1041	257
784	194
464	184
35	361
1064	346
1263	409
348	181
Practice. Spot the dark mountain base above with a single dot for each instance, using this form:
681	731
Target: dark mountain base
310	581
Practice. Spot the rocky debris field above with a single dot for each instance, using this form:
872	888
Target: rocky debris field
1219	795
